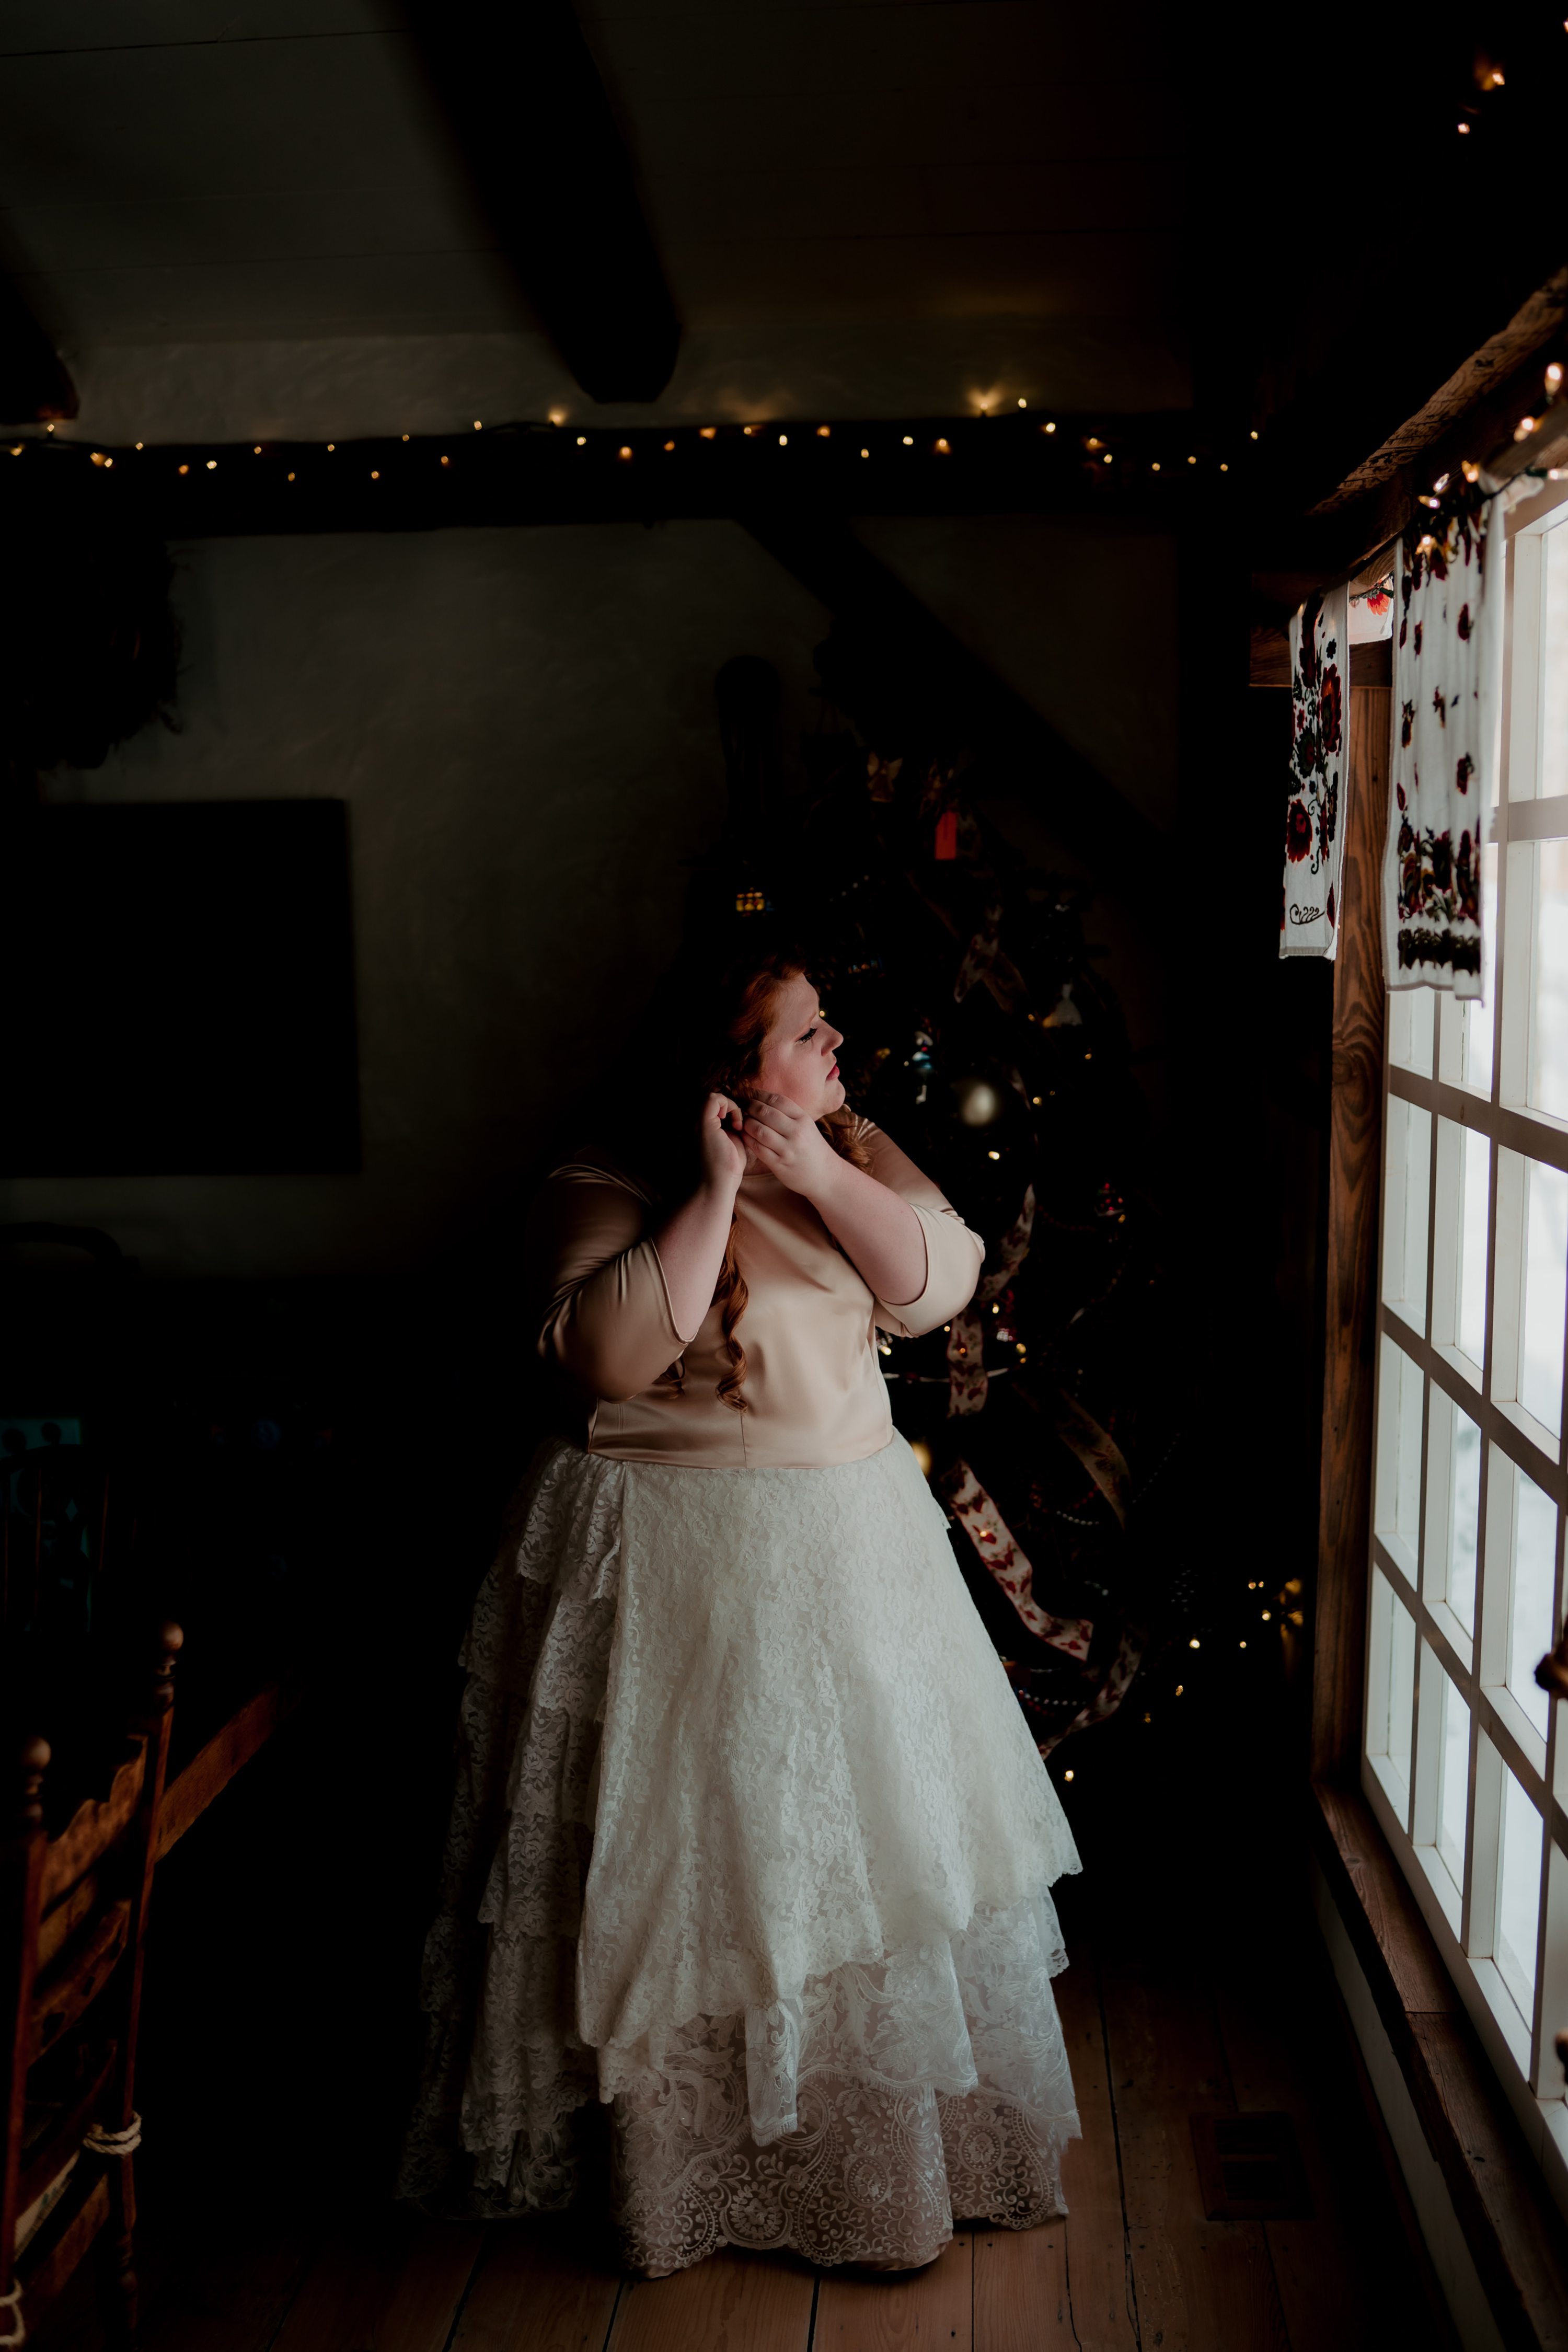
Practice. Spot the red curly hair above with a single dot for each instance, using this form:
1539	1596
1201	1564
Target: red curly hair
743	999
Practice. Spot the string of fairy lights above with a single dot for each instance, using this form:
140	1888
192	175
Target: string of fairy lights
612	466
1162	446
1538	426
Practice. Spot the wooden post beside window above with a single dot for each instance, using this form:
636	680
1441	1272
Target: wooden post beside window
1355	1122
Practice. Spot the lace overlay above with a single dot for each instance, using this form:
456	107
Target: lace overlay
748	1839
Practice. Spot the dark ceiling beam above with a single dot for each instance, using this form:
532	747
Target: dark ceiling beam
519	475
525	98
35	387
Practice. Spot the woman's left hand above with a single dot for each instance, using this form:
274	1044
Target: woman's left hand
786	1142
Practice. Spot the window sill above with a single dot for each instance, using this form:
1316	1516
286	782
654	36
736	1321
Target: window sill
1516	2236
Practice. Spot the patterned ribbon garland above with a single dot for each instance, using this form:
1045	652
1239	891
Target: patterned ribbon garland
995	1544
967	1378
1094	1447
1112	1690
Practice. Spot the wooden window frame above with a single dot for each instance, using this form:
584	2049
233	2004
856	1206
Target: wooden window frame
1487	2153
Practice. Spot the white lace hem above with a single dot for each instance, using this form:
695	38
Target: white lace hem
949	2032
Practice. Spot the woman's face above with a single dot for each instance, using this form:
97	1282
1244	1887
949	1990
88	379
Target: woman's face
799	1057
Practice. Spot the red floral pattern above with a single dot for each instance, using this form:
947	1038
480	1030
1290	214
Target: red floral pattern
1314	847
1446	688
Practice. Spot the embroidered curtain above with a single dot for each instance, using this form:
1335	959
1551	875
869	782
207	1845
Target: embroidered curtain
1314	838
1446	705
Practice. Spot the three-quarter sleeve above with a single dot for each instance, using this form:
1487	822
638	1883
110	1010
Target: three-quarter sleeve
954	1251
606	1317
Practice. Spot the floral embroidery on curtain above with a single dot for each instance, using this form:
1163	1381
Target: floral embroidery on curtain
1314	837
1447	699
1372	614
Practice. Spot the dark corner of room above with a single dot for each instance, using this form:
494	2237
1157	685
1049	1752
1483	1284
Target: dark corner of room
784	1178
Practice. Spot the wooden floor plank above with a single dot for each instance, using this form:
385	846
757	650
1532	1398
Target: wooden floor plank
1099	2283
537	2289
932	2308
1330	2277
229	2294
1021	2300
1201	2285
392	2284
732	2302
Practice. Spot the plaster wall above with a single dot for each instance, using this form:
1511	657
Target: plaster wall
521	724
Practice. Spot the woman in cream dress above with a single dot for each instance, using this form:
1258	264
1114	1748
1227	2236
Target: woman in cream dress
750	1844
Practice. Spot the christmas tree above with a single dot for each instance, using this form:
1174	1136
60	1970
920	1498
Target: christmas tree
1049	1415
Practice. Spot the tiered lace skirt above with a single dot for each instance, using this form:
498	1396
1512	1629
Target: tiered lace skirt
750	1842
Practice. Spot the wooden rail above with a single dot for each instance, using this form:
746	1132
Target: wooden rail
212	1768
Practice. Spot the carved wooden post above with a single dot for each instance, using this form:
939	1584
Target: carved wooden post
22	1873
120	2273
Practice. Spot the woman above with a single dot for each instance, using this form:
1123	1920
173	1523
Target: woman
750	1841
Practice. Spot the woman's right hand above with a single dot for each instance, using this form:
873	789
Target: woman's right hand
724	1153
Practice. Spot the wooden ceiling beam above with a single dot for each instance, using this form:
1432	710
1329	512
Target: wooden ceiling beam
520	474
535	126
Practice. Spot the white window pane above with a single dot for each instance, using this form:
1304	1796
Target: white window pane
1453	1779
1546	1290
1396	1505
1409	1156
1463	1518
1410	1024
1475	1192
1530	1629
1392	1685
1554	661
1466	1056
1519	1895
1547	1087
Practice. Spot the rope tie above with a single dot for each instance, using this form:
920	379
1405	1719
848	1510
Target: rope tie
12	2300
99	2142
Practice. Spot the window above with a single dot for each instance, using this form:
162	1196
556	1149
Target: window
1465	1759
